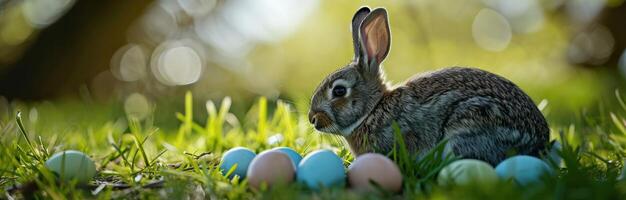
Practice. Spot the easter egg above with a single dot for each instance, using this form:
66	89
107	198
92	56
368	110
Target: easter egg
72	165
241	157
321	168
523	169
293	155
376	168
270	167
466	171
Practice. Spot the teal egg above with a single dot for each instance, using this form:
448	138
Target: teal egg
72	165
240	156
524	170
467	171
321	168
293	155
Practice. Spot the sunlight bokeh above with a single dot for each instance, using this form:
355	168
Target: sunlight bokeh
558	51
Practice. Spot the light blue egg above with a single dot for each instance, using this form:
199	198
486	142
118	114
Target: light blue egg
240	156
321	168
523	169
72	165
293	155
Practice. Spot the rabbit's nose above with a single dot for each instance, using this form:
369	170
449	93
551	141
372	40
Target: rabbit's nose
319	119
312	117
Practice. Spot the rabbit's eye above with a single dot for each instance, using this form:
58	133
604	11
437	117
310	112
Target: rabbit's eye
339	91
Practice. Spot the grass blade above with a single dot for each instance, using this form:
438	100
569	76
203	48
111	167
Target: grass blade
20	124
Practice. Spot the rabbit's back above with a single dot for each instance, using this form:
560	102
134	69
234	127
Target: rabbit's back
483	115
460	84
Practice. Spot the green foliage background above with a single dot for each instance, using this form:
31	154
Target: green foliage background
172	151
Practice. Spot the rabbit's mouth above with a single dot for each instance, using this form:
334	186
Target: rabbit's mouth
323	123
320	121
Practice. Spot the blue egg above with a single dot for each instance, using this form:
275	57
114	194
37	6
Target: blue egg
523	169
293	155
72	165
321	168
240	156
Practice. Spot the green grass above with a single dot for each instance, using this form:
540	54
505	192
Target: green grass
136	158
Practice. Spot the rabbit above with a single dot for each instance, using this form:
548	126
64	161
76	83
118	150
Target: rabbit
482	115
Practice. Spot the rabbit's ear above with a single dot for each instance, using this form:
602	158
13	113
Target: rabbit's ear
358	18
375	39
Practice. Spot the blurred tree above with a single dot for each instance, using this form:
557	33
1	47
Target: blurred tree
70	52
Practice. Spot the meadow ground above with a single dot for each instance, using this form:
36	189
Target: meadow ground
141	158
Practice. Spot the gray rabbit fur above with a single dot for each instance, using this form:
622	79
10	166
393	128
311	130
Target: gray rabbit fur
484	116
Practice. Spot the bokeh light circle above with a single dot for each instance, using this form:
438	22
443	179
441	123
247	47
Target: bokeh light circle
593	46
129	63
176	63
491	31
42	13
33	115
525	16
137	106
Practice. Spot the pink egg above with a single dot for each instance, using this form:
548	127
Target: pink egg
377	168
271	168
